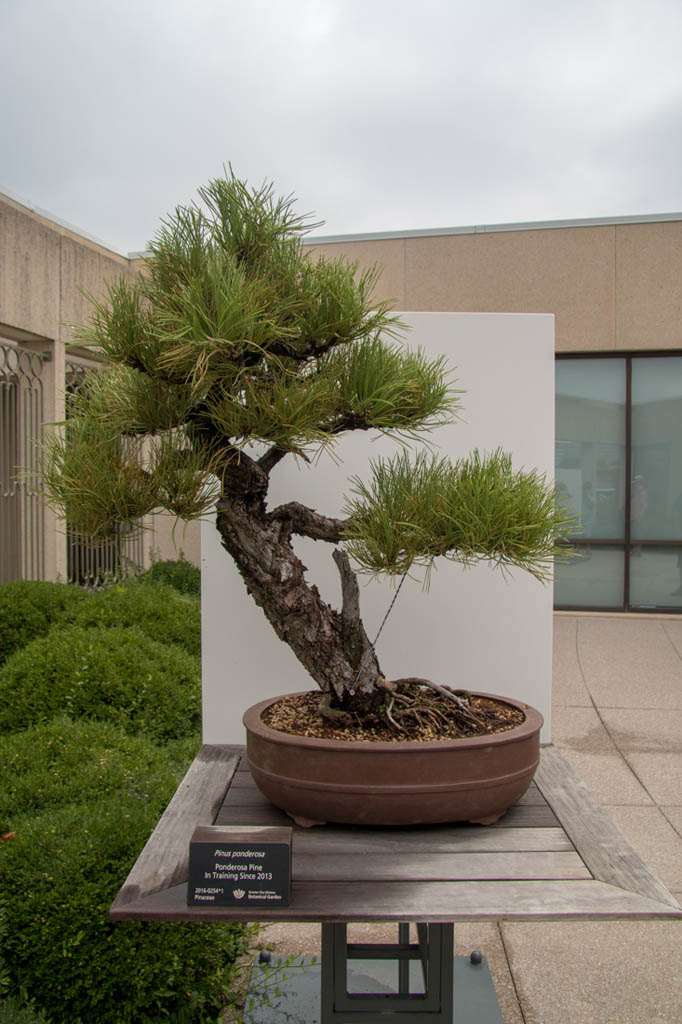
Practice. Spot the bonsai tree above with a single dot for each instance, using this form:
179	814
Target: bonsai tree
235	349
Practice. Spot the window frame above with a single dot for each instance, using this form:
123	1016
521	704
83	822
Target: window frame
625	543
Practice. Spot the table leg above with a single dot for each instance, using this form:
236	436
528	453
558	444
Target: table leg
433	1005
442	990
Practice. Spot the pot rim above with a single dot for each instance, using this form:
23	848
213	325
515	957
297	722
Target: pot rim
253	723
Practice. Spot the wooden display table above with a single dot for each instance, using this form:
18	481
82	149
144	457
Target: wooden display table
554	856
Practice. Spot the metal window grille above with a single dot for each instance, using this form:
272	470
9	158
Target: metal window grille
91	563
22	540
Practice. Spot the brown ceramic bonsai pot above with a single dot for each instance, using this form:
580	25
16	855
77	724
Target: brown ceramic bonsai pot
403	783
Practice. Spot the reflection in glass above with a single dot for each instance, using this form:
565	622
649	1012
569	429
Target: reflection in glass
590	444
591	578
656	492
656	577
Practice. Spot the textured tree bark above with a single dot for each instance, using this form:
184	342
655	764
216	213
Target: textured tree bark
332	646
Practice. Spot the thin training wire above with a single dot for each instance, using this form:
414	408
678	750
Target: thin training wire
373	643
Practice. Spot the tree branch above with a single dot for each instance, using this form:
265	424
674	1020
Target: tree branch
358	649
288	350
272	456
306	522
348	421
350	592
243	475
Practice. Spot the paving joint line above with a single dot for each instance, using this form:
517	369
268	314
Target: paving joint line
517	994
671	641
605	726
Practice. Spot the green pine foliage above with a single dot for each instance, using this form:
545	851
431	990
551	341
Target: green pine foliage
112	674
75	465
236	335
29	608
415	510
157	610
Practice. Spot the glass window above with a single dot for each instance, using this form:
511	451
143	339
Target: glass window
619	470
656	489
591	578
655	577
590	444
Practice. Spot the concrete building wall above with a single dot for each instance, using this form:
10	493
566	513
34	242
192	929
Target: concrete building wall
648	272
43	266
611	287
46	271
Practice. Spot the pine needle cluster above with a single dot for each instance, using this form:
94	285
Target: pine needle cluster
413	511
234	334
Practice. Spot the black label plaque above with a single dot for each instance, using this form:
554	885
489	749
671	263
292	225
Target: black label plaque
235	866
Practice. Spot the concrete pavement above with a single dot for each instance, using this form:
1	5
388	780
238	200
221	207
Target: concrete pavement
617	719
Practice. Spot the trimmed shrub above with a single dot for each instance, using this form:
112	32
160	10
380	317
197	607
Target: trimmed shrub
28	608
59	876
159	611
116	675
14	1011
52	765
179	574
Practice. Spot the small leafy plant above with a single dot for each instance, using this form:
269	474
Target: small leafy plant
177	573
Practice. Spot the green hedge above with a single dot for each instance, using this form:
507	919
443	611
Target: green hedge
81	794
29	608
63	761
159	611
15	1011
59	876
179	574
111	674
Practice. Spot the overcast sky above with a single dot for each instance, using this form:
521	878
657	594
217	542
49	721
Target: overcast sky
379	115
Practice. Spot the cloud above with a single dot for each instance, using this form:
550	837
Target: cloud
379	115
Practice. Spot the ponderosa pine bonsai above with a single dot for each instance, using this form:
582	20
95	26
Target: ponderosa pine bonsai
237	348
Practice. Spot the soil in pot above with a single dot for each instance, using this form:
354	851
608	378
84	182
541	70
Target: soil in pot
434	719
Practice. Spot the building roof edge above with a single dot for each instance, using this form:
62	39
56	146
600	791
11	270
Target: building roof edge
480	229
46	215
474	229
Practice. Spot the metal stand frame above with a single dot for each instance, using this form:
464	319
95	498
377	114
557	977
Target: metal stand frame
433	1005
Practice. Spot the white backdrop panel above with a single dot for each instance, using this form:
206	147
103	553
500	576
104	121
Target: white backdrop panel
475	628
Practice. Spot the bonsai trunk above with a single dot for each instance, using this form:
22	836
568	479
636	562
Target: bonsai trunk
331	645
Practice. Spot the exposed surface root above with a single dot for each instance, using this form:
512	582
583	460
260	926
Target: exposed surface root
412	709
332	714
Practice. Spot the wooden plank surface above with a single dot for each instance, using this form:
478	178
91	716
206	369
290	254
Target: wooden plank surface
333	840
165	859
230	815
244	797
249	814
555	856
438	867
418	901
602	846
